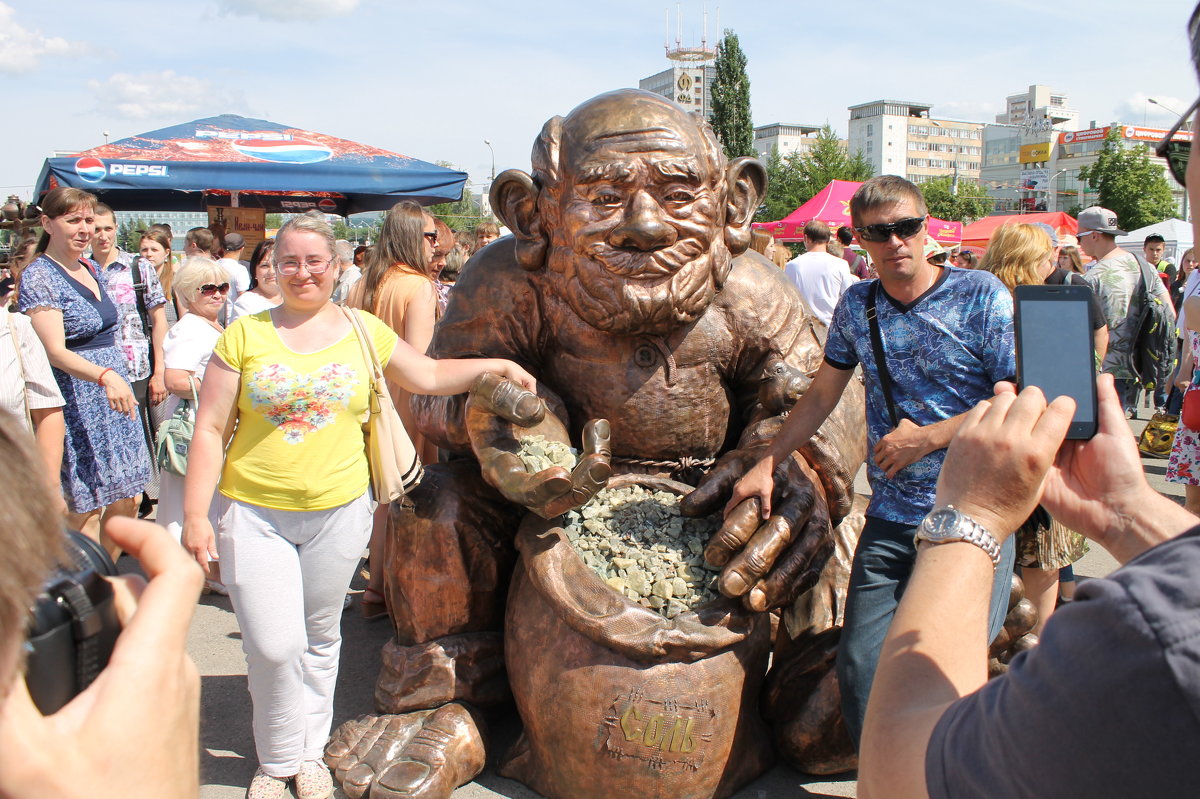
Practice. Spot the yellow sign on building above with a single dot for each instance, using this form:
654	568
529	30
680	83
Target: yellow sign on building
1033	153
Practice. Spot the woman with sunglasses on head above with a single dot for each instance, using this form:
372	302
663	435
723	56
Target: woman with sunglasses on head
105	460
398	286
263	293
201	286
291	387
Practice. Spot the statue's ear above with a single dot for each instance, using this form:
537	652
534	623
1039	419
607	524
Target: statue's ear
514	199
745	186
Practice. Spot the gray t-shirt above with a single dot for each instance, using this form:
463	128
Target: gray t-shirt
1107	705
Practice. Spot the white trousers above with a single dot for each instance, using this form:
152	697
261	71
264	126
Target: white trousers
287	573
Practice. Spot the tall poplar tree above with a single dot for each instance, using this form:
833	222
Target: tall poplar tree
731	119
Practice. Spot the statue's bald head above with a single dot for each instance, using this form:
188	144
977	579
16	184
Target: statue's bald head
627	119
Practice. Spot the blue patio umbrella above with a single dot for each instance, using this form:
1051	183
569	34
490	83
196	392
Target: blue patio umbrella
231	160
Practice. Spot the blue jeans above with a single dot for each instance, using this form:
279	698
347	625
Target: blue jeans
883	563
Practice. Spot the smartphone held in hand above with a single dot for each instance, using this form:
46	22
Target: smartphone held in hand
1055	350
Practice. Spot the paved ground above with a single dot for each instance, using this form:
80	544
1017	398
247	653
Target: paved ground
227	756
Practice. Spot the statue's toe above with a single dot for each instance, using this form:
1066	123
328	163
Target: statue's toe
445	753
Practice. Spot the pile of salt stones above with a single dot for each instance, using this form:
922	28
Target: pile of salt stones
635	539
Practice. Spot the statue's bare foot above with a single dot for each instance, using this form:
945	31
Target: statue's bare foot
421	755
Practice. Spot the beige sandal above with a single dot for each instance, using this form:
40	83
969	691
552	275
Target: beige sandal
313	781
264	786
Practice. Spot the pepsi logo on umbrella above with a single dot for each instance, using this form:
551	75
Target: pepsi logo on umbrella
327	205
90	169
296	151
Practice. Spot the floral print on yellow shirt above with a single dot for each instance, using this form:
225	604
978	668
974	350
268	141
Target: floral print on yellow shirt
297	403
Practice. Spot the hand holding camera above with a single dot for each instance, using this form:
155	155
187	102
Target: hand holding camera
134	731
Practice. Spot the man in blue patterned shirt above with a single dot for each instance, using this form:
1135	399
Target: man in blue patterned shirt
947	337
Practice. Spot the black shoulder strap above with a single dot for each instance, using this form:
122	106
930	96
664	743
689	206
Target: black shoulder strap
885	376
139	291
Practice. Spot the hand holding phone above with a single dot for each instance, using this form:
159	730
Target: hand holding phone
1055	351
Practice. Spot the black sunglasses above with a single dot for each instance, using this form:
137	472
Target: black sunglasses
905	229
1176	151
209	289
433	237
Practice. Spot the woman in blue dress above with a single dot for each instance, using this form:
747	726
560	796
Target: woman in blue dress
105	460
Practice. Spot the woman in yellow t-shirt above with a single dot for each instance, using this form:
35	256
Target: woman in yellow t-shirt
293	511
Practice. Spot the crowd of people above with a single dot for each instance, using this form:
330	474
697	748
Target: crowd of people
107	344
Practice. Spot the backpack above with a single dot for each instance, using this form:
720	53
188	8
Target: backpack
1152	351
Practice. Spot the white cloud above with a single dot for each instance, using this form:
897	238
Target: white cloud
21	48
153	95
1137	107
288	10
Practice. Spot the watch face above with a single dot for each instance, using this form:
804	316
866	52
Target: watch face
943	522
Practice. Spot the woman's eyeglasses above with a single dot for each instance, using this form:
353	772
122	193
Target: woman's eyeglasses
314	266
209	289
1176	151
433	237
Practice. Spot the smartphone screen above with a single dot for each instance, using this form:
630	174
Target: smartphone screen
1054	349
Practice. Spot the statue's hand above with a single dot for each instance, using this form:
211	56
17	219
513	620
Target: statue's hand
512	401
498	415
766	563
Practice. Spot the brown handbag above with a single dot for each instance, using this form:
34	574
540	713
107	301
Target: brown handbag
391	456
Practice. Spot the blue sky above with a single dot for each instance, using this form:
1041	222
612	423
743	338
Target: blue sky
435	79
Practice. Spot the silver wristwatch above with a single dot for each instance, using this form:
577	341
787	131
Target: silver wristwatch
947	524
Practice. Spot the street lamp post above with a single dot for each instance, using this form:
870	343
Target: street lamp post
488	192
1163	105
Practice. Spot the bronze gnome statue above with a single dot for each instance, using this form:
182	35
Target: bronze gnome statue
665	352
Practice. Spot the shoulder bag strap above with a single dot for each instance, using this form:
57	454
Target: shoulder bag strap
368	351
139	291
885	376
16	340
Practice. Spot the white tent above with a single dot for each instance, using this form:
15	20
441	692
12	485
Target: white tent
1175	232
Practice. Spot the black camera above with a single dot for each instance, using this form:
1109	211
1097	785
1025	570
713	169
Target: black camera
74	625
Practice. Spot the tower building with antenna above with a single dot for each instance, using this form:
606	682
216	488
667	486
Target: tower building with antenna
688	81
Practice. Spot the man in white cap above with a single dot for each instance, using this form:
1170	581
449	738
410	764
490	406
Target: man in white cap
1115	277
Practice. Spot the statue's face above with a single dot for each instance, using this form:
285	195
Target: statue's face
639	224
641	205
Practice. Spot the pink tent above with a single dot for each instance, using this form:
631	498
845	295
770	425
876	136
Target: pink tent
977	234
831	205
948	234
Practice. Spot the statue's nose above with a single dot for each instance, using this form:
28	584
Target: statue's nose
643	227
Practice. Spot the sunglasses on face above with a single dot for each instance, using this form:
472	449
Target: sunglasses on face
1176	152
209	289
433	237
905	229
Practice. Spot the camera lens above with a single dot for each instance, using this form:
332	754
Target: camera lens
86	554
74	625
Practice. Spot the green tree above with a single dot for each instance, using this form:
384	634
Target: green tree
965	202
463	214
794	179
273	221
129	233
731	119
1129	183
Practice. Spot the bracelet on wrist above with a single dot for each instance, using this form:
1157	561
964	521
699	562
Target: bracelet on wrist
100	379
